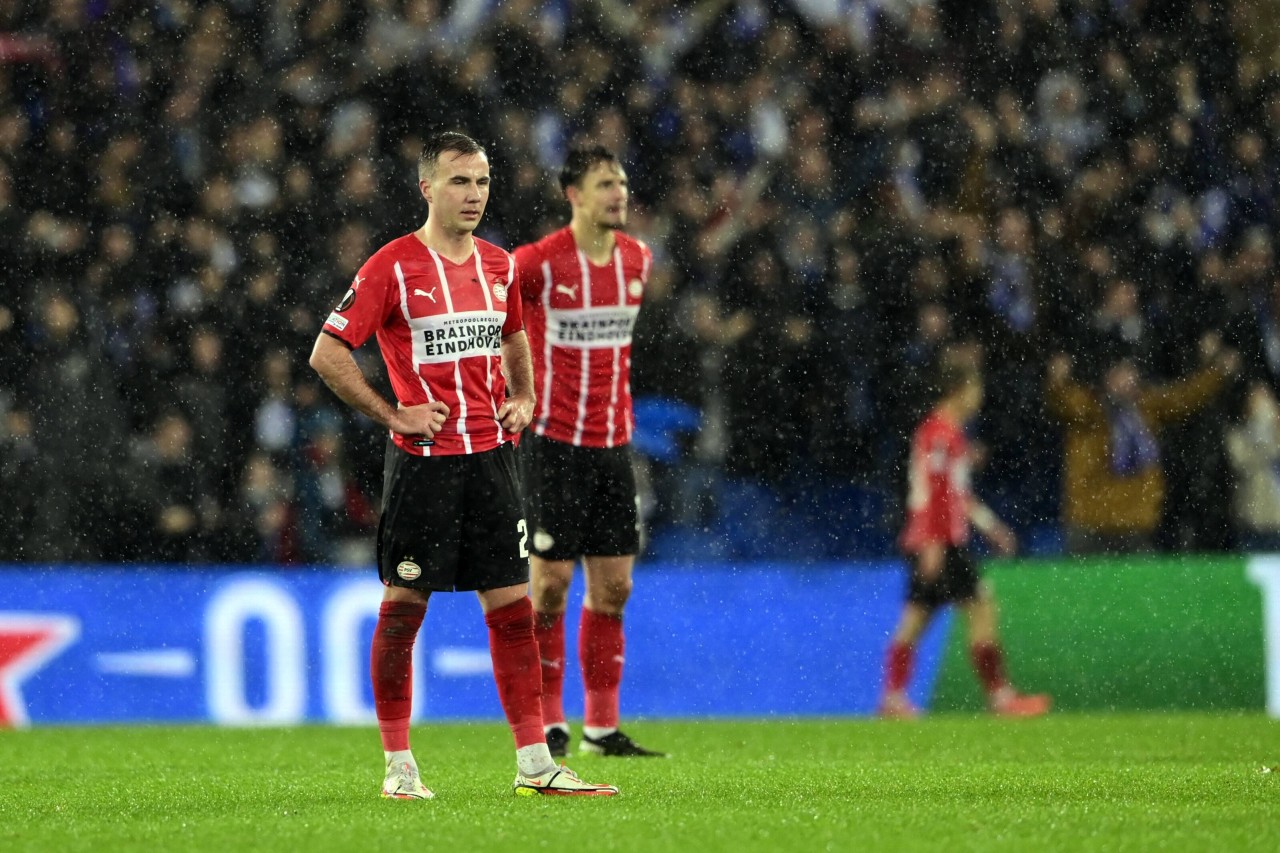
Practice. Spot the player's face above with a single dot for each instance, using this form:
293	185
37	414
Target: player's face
458	191
601	199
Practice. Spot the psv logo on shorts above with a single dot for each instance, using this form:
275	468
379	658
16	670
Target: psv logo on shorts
409	570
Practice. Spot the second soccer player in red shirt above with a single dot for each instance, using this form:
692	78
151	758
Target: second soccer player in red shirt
582	287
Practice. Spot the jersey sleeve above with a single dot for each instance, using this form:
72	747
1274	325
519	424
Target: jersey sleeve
515	306
364	308
529	271
646	260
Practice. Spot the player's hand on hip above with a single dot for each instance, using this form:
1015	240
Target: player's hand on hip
515	412
424	419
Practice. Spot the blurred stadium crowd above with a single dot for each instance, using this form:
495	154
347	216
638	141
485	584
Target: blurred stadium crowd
836	192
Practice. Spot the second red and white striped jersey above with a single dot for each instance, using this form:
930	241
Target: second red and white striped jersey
579	317
440	327
938	493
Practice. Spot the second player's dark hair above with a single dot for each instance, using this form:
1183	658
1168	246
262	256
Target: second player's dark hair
450	140
581	160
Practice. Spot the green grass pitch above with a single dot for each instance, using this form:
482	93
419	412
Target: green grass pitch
1068	782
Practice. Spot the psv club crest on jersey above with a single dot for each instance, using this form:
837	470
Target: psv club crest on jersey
500	290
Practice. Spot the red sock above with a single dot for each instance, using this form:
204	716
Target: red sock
391	667
898	663
600	647
549	629
988	663
515	668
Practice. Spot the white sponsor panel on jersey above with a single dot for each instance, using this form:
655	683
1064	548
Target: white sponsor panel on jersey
449	337
337	321
592	328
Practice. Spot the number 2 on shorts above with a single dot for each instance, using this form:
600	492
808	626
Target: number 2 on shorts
523	529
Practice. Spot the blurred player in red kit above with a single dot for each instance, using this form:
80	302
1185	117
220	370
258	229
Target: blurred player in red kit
940	511
582	287
449	325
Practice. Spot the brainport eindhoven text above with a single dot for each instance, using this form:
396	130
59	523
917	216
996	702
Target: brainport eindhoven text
462	339
613	329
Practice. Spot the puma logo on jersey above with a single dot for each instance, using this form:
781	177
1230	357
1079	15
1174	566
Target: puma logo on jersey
431	295
359	279
569	290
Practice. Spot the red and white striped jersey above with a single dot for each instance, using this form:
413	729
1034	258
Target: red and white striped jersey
440	327
579	318
938	493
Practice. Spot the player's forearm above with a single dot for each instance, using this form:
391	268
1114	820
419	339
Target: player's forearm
517	365
982	517
338	369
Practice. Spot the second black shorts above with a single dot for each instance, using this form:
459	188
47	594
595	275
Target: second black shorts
452	522
958	580
581	500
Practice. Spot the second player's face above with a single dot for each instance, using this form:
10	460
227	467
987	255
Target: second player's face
604	194
458	191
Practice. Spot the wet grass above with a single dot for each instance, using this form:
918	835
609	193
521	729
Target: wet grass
1069	782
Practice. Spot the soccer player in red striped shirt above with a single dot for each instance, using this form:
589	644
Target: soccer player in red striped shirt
447	318
582	287
940	510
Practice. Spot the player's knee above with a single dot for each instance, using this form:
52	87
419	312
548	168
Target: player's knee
549	597
550	588
611	596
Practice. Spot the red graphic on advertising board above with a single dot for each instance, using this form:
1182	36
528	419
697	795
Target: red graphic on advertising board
28	641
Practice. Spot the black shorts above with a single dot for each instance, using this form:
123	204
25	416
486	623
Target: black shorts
958	580
452	523
581	500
